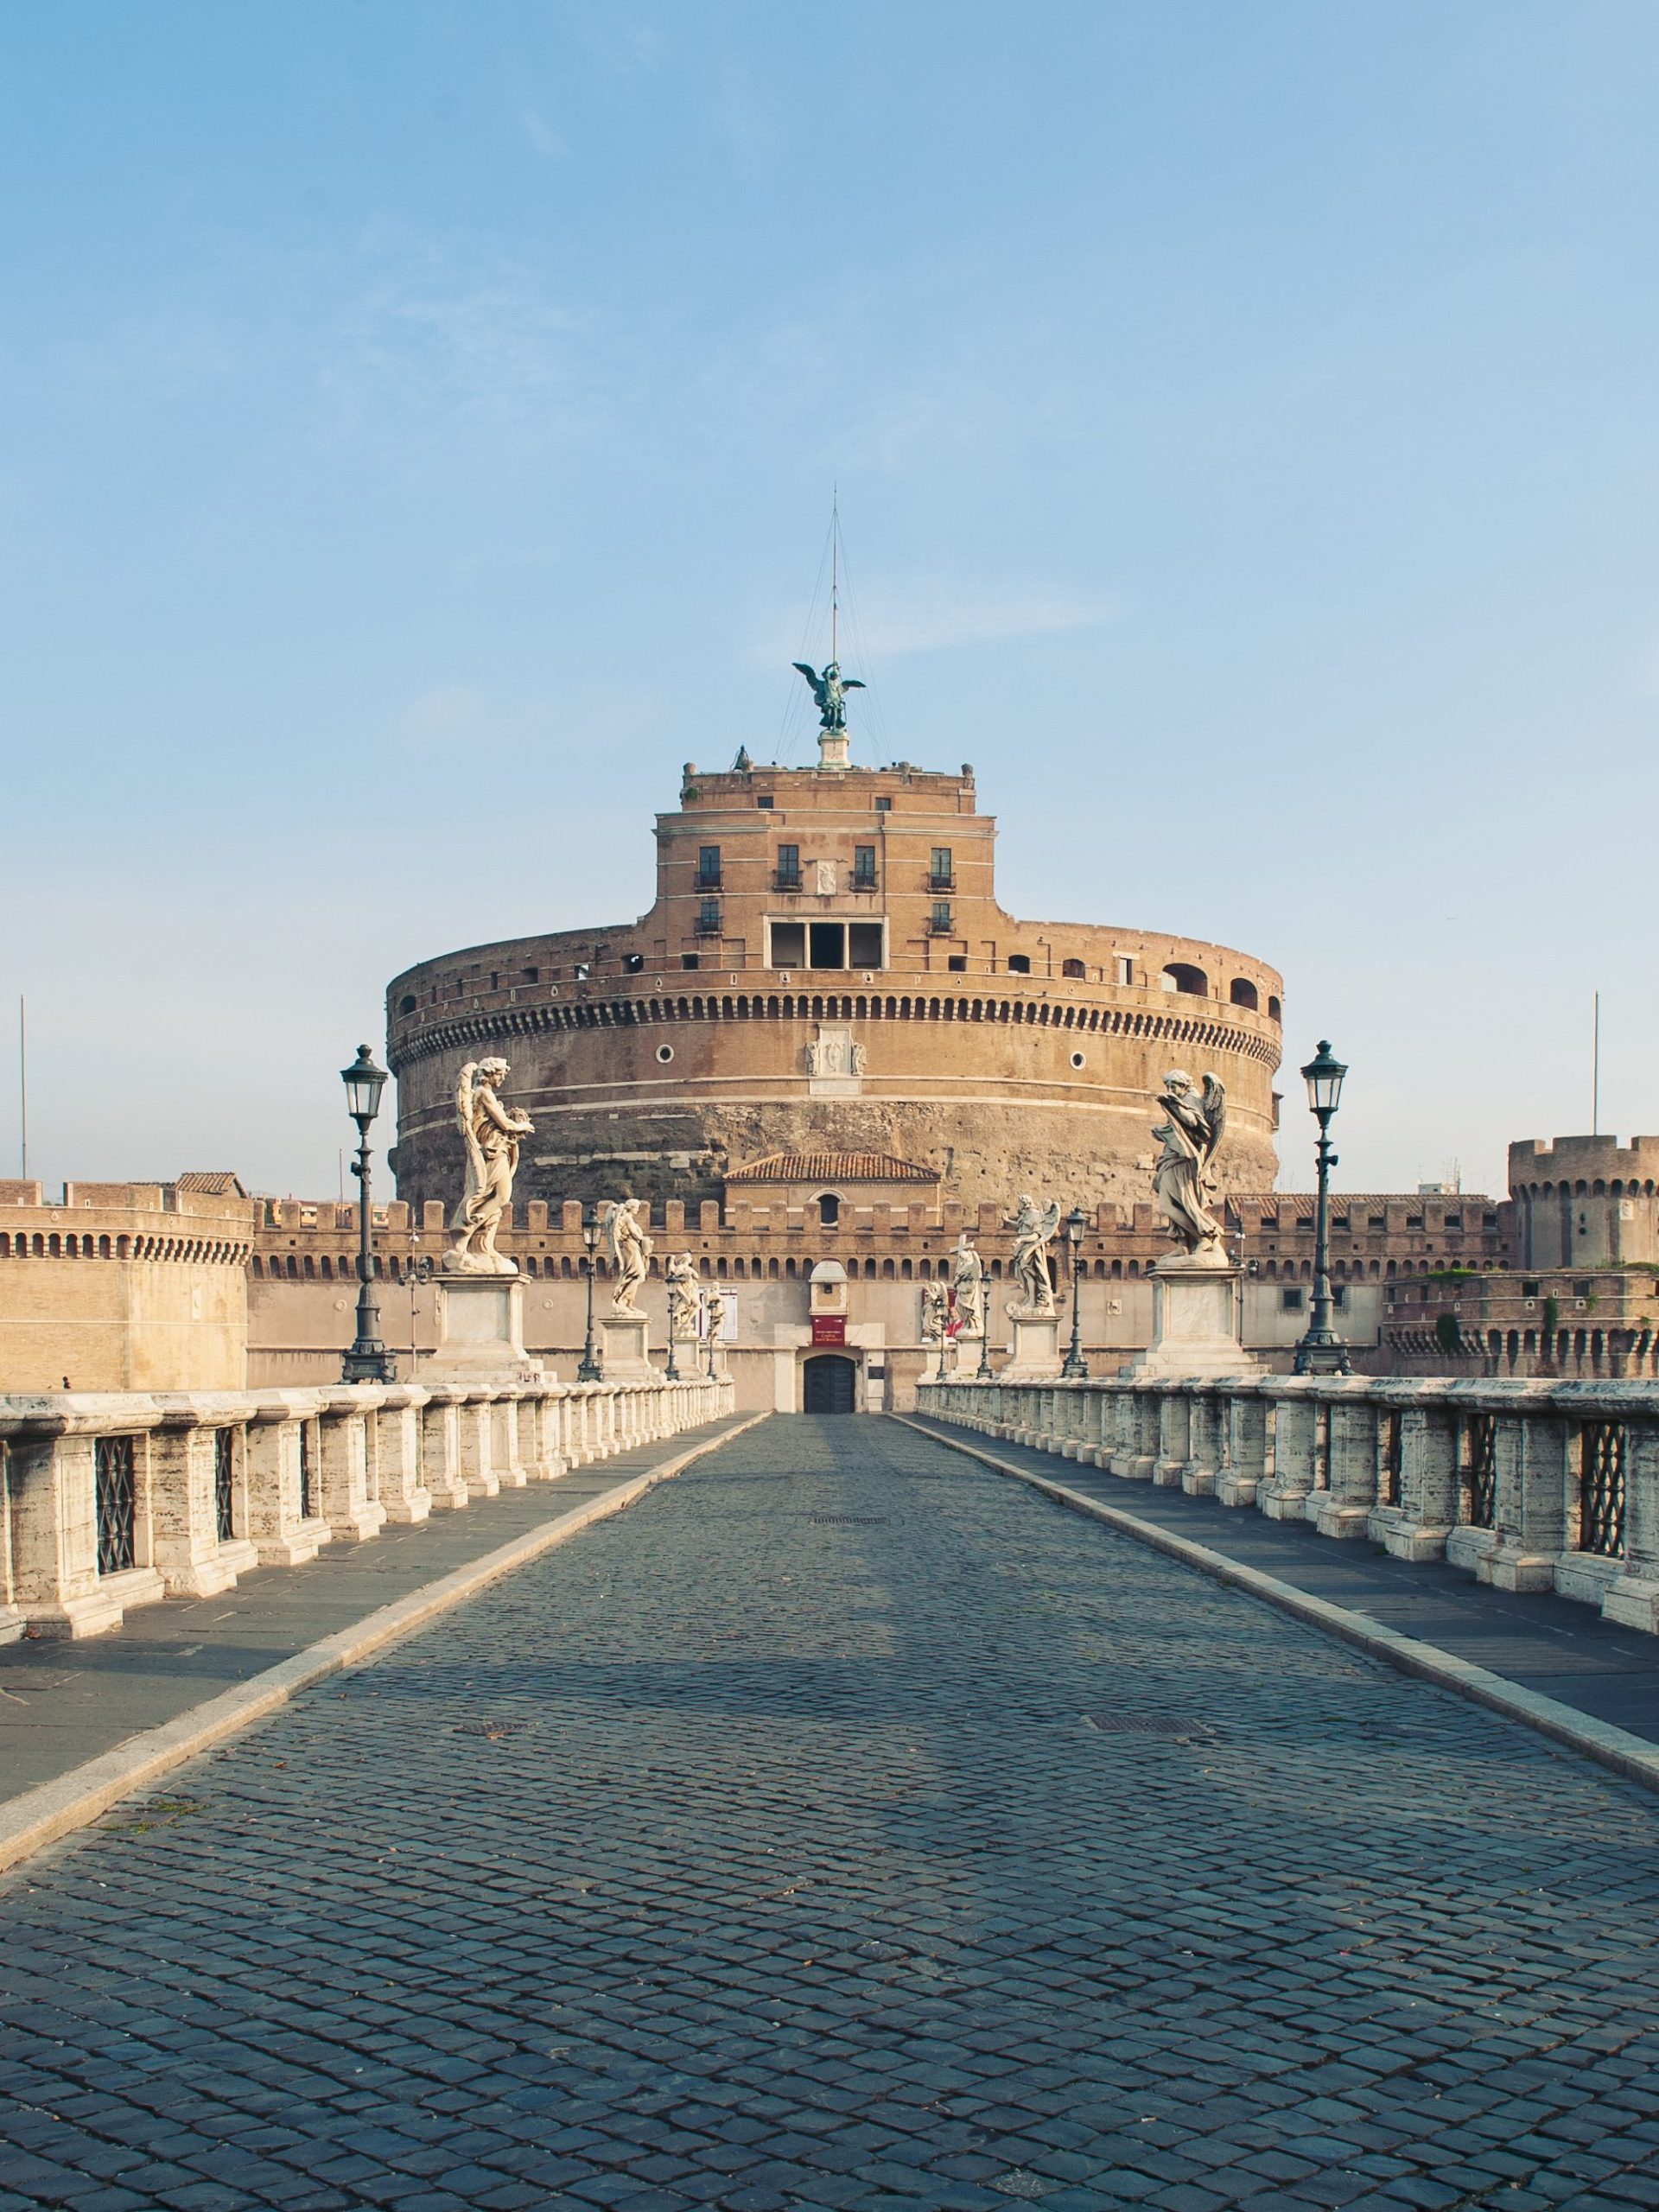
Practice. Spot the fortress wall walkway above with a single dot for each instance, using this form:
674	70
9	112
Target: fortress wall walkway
846	1825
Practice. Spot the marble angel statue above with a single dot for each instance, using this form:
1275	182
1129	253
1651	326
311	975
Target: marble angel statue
489	1132
1184	1184
1030	1267
629	1249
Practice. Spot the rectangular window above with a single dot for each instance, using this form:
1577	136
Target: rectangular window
116	1488
827	945
863	868
1293	1300
689	959
709	918
224	1485
941	873
1019	963
884	806
788	944
958	963
1529	1290
864	944
1124	970
764	798
634	962
709	868
941	925
789	868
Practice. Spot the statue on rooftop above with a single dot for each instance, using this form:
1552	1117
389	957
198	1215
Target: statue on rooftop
1182	1181
489	1132
830	690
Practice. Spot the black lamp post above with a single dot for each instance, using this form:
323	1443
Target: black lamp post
368	1360
1077	1227
1321	1351
589	1369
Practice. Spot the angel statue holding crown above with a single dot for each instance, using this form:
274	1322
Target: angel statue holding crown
1183	1183
489	1132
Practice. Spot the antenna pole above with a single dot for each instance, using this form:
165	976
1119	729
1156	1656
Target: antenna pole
1595	1069
22	1087
834	571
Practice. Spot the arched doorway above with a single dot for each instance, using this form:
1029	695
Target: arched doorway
828	1385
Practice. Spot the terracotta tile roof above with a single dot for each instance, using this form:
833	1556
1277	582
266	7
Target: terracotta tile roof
831	1167
216	1182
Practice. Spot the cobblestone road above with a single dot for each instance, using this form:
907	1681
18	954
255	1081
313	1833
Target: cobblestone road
804	1837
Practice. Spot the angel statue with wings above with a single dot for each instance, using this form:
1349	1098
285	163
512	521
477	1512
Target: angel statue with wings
630	1248
830	690
1030	1266
489	1132
1183	1183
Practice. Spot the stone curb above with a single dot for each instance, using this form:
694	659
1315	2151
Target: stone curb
1631	1756
40	1815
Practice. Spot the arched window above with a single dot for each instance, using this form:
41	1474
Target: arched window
1179	975
1274	1012
1074	968
1243	993
828	1209
406	1004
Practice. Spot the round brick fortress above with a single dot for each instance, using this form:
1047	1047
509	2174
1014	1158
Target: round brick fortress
826	971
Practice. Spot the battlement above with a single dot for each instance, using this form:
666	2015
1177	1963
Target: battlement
1585	1162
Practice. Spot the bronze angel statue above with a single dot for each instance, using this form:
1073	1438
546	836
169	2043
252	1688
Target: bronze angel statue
1183	1183
830	690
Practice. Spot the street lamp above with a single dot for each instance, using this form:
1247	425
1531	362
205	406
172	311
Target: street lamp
368	1360
1077	1227
589	1369
1322	1352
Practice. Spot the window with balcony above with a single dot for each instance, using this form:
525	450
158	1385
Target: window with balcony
863	868
789	868
939	922
709	868
941	875
709	918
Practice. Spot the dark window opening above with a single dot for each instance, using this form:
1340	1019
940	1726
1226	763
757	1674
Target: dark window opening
863	868
1074	968
764	798
864	944
116	1485
1179	975
709	868
708	924
1292	1300
941	875
884	806
1529	1290
1243	993
406	1004
827	945
789	868
689	959
634	962
1019	963
940	923
1274	1011
789	944
829	1210
958	963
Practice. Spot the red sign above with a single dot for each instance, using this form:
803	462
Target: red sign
828	1328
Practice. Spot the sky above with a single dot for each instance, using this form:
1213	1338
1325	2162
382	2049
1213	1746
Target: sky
423	421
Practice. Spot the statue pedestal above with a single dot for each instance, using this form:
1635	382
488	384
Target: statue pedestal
480	1332
1036	1345
1194	1321
624	1356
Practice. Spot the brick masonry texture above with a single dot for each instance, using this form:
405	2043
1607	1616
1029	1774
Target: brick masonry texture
779	1843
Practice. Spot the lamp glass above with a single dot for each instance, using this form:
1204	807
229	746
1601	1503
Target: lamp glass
1323	1076
364	1084
1077	1225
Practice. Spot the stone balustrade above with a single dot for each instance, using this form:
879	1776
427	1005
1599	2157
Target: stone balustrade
112	1500
1529	1485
